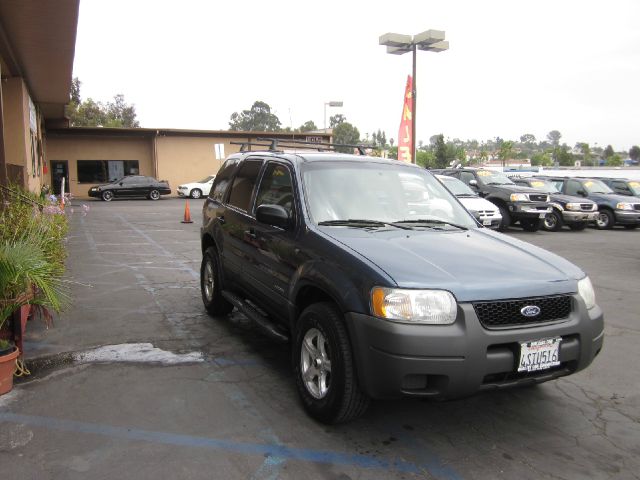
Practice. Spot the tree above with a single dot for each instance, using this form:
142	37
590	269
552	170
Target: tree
258	119
554	137
608	152
308	126
506	151
90	113
614	160
563	156
541	159
336	120
586	152
345	133
528	138
634	153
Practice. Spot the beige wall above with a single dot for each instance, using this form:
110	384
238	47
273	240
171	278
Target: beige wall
74	148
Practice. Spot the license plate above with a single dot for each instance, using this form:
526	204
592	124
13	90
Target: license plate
539	354
486	222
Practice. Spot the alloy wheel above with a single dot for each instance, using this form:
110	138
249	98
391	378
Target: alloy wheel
315	364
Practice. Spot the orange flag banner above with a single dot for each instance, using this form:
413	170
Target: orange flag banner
405	133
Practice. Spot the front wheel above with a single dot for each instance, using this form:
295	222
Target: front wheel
506	218
107	195
605	220
196	193
531	224
552	221
154	195
324	367
210	285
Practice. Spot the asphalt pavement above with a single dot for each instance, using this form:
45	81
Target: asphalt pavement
135	380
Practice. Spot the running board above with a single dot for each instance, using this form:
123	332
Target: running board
266	325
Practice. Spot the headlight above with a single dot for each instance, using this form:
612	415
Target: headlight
585	290
573	206
624	206
436	307
519	197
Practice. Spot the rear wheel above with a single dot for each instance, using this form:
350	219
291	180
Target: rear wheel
531	224
154	194
107	195
324	367
605	220
552	221
196	193
210	285
506	218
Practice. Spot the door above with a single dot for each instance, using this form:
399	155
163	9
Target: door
59	170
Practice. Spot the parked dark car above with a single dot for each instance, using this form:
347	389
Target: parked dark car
623	186
131	186
517	203
383	292
613	209
574	212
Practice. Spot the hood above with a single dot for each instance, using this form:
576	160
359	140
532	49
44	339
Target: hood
561	197
612	197
477	264
477	204
518	188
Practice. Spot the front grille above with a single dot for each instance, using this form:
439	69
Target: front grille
636	206
536	197
506	313
588	207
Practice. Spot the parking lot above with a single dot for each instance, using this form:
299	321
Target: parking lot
213	398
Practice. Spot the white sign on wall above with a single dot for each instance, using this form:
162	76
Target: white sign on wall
219	148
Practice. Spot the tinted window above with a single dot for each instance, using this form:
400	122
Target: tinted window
93	171
466	177
222	181
573	186
276	188
243	184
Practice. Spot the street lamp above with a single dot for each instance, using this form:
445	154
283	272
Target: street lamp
331	104
398	44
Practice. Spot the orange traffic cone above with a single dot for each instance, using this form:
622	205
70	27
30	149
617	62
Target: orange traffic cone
187	213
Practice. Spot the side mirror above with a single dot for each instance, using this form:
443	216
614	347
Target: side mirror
274	215
582	193
473	183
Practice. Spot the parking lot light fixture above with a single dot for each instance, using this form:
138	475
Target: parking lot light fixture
399	44
330	104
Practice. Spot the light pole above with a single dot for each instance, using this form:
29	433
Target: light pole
398	44
331	104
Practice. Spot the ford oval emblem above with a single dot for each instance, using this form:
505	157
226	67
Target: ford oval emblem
530	311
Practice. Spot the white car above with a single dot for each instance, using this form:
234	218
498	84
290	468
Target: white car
196	189
487	213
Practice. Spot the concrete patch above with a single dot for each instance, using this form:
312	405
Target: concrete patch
136	353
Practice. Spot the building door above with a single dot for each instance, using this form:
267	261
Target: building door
59	170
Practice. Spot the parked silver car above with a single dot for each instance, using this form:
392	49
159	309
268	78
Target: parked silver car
486	212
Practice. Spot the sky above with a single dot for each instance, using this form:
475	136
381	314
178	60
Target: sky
513	66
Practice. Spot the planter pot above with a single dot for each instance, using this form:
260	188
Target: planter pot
7	368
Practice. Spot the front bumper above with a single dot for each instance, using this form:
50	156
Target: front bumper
529	210
94	193
627	217
569	216
448	361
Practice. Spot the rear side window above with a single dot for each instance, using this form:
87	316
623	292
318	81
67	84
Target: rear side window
466	177
222	181
244	183
573	187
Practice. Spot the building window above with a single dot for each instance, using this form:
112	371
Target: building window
95	171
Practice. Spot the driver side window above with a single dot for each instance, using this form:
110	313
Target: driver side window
276	188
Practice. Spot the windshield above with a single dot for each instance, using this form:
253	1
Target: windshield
205	180
494	178
596	186
338	191
457	187
544	185
635	188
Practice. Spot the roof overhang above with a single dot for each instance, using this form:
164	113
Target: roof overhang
37	43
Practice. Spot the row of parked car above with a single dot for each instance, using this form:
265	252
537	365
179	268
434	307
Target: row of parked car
545	202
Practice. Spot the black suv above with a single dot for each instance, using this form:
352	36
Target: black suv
384	284
525	205
613	209
623	186
575	212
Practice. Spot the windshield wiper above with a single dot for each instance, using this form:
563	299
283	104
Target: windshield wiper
498	183
433	220
359	222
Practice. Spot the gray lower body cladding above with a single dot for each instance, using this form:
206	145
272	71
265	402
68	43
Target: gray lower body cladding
448	361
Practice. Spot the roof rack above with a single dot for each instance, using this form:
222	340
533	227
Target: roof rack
318	145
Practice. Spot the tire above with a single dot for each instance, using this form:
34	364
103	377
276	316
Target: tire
631	227
107	195
531	224
552	221
195	193
578	226
605	220
210	285
506	218
154	195
330	395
